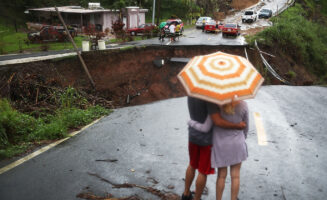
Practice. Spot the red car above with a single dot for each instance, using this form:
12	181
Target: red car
231	29
141	29
212	26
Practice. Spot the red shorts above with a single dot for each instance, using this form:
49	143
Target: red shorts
200	158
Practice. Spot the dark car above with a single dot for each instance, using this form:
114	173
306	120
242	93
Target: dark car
265	13
141	29
51	33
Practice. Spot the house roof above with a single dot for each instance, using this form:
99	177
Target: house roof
73	9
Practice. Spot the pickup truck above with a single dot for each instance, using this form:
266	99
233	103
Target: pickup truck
249	16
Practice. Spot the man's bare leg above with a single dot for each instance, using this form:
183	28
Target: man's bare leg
235	175
189	176
220	184
199	185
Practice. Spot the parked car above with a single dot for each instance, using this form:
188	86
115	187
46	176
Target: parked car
178	21
265	13
211	26
220	25
231	29
141	28
249	16
51	33
199	22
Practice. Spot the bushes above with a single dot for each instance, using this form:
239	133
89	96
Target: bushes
304	40
18	131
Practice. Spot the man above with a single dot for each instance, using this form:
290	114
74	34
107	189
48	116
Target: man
203	24
161	30
172	31
200	147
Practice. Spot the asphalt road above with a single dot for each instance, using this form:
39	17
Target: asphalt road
195	36
150	144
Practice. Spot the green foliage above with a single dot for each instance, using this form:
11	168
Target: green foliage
71	97
291	74
14	126
12	42
17	130
304	40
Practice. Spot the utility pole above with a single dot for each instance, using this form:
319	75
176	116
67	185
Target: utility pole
153	10
76	49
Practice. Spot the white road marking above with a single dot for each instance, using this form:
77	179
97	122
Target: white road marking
43	149
262	137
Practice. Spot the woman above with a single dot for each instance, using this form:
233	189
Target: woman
229	147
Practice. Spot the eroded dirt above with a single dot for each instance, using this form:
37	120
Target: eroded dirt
123	77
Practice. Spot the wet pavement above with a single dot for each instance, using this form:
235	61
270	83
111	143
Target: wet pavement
147	145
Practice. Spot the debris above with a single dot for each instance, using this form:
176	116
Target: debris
90	196
171	187
127	99
161	194
108	160
292	125
283	194
152	180
148	171
205	191
132	170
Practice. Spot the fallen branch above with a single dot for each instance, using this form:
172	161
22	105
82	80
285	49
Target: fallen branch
107	197
162	195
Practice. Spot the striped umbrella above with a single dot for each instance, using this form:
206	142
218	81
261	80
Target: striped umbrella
218	77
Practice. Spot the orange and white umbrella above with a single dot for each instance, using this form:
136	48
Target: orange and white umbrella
218	77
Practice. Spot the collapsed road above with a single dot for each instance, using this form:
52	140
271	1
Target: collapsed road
146	147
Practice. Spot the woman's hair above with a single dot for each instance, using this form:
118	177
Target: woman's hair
229	109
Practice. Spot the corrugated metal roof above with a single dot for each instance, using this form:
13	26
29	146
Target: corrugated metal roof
73	9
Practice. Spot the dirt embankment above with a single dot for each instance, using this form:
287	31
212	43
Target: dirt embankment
122	77
242	4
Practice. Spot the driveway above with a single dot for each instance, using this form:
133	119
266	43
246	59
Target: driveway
147	145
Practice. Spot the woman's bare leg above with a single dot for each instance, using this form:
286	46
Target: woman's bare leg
220	184
235	175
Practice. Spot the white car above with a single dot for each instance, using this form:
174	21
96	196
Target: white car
249	16
199	22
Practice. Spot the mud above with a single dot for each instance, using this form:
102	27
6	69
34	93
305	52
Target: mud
122	77
241	4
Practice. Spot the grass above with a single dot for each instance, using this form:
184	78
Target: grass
295	35
18	131
12	42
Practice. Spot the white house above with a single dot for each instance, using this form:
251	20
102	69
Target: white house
96	15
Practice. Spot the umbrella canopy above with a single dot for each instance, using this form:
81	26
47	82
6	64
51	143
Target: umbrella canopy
218	77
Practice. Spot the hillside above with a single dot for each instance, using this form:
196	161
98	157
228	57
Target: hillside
299	36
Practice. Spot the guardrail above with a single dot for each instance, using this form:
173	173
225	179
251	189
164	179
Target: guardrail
269	67
283	8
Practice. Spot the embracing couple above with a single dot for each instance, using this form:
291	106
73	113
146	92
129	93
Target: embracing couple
216	140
